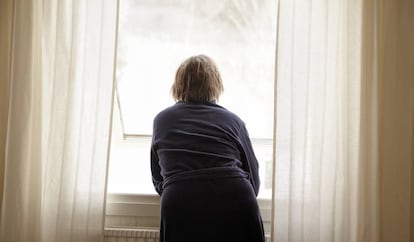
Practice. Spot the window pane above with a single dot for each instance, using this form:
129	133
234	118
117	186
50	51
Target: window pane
155	36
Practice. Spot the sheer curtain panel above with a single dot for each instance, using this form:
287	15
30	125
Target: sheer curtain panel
318	112
61	79
344	133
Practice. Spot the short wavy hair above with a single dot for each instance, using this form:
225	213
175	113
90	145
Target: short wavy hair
197	80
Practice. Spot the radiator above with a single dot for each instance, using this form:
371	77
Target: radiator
131	235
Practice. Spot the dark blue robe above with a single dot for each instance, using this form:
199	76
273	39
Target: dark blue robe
205	170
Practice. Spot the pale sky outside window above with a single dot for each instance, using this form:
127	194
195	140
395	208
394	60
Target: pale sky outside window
155	36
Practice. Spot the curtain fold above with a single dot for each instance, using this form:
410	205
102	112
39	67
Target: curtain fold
20	219
368	173
61	82
5	43
344	99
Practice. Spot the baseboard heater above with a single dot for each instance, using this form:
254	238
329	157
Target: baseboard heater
131	235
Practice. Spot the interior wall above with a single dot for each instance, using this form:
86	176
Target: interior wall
412	173
5	43
396	54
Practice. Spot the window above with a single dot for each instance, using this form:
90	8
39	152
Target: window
154	38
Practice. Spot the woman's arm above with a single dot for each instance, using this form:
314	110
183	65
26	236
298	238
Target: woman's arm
249	160
157	179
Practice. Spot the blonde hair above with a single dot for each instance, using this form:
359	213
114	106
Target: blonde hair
197	80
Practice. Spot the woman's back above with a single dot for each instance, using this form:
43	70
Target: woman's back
192	136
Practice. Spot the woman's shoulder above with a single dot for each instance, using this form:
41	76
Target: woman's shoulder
166	112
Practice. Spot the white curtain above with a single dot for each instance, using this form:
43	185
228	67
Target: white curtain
341	66
60	76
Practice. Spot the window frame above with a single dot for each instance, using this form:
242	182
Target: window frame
142	211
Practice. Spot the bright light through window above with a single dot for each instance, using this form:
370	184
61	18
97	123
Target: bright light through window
155	36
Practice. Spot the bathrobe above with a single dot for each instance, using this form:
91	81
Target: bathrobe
205	170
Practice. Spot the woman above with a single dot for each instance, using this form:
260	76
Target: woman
203	164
